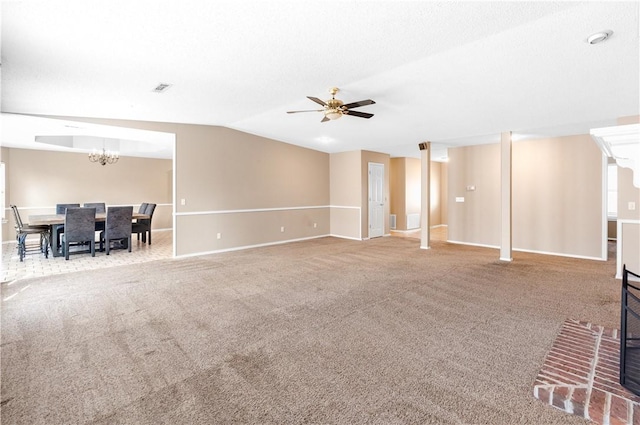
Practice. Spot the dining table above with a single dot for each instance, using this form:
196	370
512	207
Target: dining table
55	220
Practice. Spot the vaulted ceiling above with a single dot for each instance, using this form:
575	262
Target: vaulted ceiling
453	73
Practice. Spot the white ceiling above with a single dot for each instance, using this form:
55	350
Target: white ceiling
453	73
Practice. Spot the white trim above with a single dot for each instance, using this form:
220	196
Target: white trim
250	210
474	244
405	231
557	254
108	205
619	245
240	248
345	237
344	206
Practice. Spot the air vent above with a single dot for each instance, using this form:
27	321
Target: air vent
161	88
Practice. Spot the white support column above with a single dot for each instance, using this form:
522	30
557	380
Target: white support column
425	195
505	197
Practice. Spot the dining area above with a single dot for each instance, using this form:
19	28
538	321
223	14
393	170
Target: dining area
76	229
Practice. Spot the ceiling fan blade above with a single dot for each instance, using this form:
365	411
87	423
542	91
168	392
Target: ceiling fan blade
360	103
318	101
359	114
325	119
308	110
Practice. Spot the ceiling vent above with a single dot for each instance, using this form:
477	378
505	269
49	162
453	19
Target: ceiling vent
161	88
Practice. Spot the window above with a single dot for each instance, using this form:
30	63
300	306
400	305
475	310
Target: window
612	191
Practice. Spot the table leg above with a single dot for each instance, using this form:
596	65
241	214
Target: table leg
55	240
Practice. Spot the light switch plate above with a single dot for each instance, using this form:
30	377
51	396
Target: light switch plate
632	206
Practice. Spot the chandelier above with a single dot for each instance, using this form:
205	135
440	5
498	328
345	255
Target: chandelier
105	157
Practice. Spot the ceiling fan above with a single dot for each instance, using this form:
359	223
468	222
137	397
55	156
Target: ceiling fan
335	108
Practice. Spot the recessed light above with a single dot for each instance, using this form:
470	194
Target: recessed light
599	37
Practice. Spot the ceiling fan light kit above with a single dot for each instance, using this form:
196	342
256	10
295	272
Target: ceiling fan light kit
335	108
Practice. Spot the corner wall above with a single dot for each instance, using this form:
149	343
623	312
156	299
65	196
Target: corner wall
557	196
345	187
405	182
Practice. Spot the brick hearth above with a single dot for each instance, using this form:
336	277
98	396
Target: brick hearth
580	375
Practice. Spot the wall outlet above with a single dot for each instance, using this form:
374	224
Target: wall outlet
282	229
632	206
219	236
183	201
459	198
315	225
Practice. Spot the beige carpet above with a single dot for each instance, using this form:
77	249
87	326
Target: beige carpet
326	331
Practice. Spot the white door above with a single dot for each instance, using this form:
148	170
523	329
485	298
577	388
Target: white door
376	200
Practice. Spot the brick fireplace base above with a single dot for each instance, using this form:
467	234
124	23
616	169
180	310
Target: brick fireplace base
580	375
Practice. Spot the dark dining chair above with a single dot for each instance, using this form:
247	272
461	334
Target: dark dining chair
58	229
79	228
23	230
100	207
143	226
62	208
117	227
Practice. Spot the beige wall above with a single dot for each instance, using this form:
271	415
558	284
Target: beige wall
629	221
435	189
557	196
444	193
405	193
37	180
477	219
247	188
349	192
397	192
413	188
345	187
627	192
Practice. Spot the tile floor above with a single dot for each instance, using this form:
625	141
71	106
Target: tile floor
35	265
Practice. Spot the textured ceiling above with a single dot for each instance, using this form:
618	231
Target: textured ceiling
454	73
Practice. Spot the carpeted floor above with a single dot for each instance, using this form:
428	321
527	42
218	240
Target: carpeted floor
326	331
